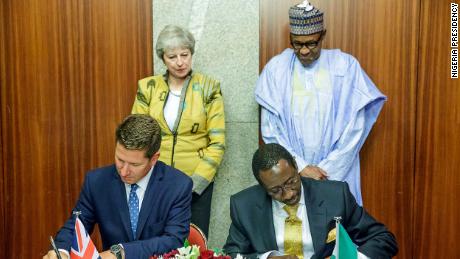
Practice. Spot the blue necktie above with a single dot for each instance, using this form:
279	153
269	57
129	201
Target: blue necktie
133	205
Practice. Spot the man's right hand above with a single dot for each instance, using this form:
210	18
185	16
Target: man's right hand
52	255
314	172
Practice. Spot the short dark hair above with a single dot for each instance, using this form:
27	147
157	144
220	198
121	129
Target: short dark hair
269	155
139	132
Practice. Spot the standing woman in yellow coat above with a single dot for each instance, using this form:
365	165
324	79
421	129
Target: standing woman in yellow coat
189	108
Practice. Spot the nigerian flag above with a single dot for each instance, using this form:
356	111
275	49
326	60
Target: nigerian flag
344	247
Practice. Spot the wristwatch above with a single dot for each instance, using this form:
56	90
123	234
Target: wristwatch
117	250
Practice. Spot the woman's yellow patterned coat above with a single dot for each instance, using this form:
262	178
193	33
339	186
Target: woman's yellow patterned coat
197	142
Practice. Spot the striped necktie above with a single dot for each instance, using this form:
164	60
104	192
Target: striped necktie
293	232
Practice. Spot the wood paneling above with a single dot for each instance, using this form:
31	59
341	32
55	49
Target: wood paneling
69	75
382	35
2	169
437	182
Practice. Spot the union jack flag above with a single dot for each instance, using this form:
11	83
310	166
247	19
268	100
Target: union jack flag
82	246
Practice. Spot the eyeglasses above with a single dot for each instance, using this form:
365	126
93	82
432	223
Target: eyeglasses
290	184
311	45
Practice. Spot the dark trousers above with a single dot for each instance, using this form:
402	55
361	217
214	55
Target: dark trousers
201	208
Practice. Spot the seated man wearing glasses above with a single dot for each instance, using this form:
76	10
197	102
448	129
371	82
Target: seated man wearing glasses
319	104
290	216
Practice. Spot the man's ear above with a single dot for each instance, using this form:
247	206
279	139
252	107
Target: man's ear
295	165
324	33
155	157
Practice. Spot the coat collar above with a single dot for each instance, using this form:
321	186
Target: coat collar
154	182
316	217
265	214
118	192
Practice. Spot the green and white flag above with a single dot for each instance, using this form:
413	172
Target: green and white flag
344	247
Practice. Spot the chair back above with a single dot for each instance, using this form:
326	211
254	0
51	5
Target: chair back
197	237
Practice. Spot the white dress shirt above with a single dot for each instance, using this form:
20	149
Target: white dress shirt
142	183
279	217
171	109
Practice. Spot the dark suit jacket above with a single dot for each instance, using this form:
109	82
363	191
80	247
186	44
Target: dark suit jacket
252	231
164	218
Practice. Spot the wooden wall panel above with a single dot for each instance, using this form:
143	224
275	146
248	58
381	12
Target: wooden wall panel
382	35
2	169
69	75
437	184
69	71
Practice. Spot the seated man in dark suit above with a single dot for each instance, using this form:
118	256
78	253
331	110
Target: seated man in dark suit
141	205
290	216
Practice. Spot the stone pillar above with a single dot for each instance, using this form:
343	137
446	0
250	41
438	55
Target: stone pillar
227	48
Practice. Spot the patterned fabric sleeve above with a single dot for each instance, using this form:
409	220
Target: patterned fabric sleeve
215	123
143	95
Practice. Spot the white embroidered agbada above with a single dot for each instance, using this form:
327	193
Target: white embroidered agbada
322	113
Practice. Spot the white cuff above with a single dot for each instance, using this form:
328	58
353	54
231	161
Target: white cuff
362	256
269	253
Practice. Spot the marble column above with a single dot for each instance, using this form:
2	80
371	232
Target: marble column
227	48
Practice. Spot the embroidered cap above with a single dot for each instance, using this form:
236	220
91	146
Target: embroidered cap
305	19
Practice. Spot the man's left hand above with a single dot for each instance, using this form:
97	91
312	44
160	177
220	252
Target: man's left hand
314	172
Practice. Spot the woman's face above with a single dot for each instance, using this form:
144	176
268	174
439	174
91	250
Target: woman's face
178	61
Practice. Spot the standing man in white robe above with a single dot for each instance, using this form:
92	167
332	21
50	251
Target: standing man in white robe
319	104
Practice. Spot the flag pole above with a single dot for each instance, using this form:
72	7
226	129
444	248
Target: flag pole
76	213
56	250
337	219
337	227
